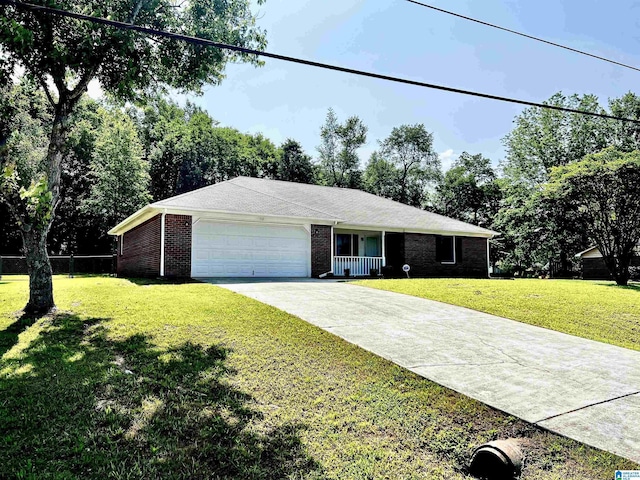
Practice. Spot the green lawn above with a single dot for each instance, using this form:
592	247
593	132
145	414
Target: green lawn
600	311
131	380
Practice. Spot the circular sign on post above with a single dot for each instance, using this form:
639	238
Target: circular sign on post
405	269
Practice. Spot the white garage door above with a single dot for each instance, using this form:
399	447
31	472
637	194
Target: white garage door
245	250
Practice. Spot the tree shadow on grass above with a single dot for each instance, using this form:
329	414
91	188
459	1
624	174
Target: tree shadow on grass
633	286
75	403
9	335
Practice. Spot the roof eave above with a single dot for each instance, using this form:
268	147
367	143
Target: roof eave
480	234
580	254
134	219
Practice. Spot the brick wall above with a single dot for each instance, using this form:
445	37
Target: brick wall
141	254
320	249
394	253
420	254
595	269
177	246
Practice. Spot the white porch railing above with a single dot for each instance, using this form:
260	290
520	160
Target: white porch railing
358	266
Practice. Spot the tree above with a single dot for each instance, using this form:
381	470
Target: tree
24	122
10	241
339	161
197	149
121	175
410	149
469	191
381	177
541	140
64	55
163	126
603	190
535	232
625	135
295	165
264	161
73	229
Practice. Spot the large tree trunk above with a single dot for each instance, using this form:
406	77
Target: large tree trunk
621	272
621	276
35	237
619	267
40	280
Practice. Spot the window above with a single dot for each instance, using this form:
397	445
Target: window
346	245
343	245
121	244
448	249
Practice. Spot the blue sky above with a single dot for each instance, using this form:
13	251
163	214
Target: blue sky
395	37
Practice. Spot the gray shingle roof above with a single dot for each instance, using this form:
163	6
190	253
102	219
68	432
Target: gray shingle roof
234	197
348	206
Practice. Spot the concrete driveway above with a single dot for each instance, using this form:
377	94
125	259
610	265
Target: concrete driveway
582	389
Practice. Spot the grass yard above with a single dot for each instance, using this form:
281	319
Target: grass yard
135	380
597	310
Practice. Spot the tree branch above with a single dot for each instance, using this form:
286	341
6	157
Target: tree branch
46	91
81	87
135	11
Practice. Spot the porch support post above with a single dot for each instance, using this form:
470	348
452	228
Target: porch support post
384	255
332	249
162	220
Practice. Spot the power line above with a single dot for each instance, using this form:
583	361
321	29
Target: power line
211	43
531	37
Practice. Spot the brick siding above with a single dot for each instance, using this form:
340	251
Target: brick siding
420	255
320	249
141	254
595	268
177	246
394	253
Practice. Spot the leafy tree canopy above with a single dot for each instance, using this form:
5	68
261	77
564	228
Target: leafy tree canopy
470	191
409	148
294	165
121	175
602	189
63	55
339	161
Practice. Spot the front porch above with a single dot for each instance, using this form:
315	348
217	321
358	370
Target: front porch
357	253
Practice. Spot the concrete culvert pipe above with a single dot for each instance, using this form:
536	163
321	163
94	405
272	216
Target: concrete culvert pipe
497	460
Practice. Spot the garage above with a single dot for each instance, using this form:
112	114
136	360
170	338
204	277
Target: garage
249	250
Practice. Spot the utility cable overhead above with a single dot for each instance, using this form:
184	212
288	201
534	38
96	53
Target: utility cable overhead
531	37
337	68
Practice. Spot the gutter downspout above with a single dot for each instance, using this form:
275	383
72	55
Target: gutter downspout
488	261
162	230
332	249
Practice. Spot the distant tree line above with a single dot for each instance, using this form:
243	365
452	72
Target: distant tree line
119	158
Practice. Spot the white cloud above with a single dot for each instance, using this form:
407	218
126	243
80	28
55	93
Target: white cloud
446	159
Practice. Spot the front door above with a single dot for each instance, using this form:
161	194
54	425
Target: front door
371	247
